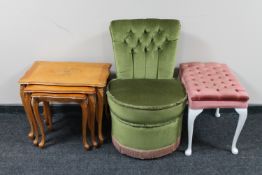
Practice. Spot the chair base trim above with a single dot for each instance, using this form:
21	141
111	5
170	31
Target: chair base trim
145	154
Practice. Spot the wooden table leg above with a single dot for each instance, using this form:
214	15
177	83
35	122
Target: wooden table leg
99	114
28	105
39	121
47	115
84	123
22	94
91	119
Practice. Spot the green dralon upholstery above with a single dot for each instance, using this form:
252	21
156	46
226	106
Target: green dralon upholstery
144	48
143	101
153	106
146	102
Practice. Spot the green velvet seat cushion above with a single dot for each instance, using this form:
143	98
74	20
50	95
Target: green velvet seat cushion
146	101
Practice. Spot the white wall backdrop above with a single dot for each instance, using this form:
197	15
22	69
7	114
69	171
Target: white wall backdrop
77	30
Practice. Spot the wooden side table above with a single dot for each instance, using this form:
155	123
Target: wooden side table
65	74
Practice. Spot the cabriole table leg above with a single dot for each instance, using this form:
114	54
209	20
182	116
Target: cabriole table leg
28	105
47	115
39	121
91	119
99	114
84	123
22	94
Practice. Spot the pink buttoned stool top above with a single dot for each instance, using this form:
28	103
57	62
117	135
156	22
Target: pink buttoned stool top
212	85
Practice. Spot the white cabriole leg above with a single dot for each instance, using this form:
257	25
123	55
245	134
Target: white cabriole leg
241	121
217	112
192	114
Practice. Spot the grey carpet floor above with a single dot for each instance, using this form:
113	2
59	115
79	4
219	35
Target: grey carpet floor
64	153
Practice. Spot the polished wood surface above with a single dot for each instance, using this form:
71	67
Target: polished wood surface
59	89
60	97
79	98
46	81
67	74
22	94
47	115
91	122
29	111
99	114
39	122
84	123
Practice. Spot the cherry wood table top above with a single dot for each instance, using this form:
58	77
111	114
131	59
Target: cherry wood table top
59	89
67	74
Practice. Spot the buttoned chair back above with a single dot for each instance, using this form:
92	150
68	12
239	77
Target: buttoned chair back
145	48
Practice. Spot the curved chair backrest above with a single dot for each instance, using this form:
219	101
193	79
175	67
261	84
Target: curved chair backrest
145	48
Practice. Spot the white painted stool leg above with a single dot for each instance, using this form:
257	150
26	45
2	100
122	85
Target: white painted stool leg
241	121
192	114
217	113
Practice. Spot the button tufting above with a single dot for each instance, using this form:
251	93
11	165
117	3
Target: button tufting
205	82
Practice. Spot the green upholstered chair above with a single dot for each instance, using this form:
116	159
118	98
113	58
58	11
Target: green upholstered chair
146	102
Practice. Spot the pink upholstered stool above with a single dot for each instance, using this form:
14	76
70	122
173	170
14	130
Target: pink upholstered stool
212	85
